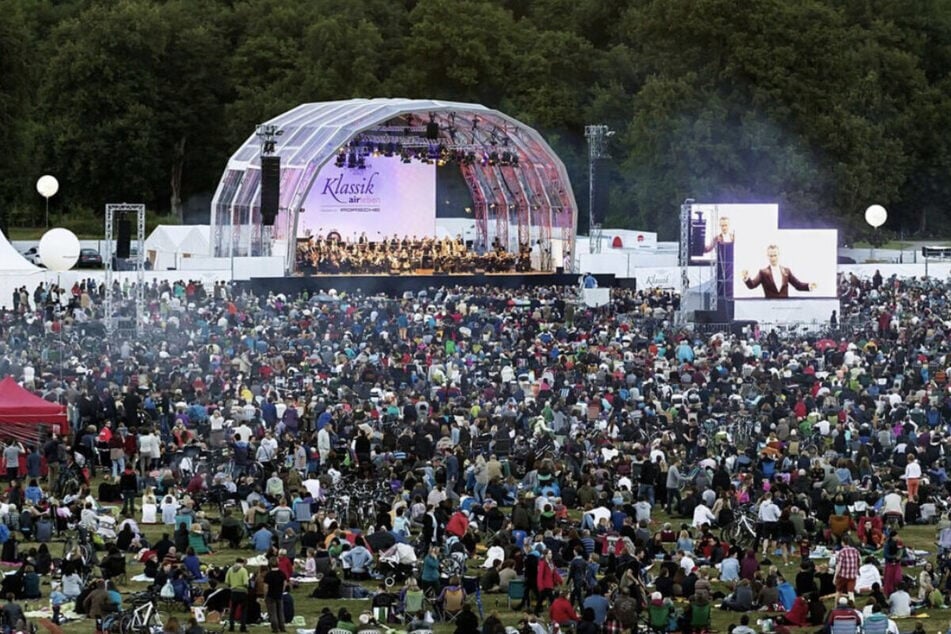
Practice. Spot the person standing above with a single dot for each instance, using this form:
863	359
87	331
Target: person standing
531	564
129	485
892	555
847	563
548	580
237	580
11	458
912	477
674	482
769	514
274	585
51	451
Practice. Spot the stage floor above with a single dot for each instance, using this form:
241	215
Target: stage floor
399	284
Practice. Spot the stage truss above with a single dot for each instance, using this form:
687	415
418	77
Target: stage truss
120	209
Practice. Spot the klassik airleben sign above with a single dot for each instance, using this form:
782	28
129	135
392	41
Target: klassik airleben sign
387	196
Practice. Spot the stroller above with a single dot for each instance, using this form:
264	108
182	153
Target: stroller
453	562
397	563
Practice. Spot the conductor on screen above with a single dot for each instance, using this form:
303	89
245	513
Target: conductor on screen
775	279
725	236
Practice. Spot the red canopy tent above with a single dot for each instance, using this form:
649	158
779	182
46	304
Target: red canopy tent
23	414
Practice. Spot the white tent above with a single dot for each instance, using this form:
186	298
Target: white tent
12	262
167	245
16	271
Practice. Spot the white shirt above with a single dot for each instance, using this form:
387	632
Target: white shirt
243	432
687	564
271	444
769	512
868	574
777	276
323	440
702	515
912	470
313	487
892	504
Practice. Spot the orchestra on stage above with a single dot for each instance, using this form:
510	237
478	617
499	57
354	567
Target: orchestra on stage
406	255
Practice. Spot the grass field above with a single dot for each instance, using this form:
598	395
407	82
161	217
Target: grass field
918	537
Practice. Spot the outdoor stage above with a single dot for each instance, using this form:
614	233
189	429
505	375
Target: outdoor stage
398	284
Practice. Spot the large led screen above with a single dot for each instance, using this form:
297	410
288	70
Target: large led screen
781	264
385	197
713	227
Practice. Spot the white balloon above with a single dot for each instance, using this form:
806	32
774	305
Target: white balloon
47	186
876	216
59	249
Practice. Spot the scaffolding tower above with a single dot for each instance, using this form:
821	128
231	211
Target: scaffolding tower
597	136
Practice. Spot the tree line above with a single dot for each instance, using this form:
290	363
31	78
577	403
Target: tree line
825	106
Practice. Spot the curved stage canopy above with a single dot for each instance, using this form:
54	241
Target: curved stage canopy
520	192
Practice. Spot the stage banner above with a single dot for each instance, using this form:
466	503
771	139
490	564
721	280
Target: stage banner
385	197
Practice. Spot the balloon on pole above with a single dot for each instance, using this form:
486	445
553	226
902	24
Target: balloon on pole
59	249
876	216
47	186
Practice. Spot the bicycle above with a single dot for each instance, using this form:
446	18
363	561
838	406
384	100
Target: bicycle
141	619
86	550
742	529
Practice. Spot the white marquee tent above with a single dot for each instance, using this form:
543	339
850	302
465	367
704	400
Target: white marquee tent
167	245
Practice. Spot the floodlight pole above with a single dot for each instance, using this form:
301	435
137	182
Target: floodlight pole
596	136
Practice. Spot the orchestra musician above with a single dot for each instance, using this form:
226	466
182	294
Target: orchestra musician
396	255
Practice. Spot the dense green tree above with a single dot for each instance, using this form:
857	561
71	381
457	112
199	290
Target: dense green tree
15	121
823	105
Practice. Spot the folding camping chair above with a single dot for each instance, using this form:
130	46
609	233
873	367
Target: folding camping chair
845	626
700	618
516	591
198	543
413	602
658	618
303	514
452	602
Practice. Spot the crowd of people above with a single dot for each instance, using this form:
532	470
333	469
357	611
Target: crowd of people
603	467
395	255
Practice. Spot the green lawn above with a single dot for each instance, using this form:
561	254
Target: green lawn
918	537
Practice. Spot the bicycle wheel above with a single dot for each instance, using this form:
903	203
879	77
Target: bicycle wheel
744	536
125	623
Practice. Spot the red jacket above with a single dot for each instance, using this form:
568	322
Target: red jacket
458	524
798	615
562	611
548	576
